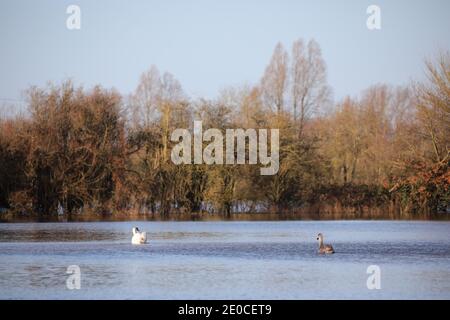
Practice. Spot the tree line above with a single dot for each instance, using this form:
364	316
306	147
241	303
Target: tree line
80	151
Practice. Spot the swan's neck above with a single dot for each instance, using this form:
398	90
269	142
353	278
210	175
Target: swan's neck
320	243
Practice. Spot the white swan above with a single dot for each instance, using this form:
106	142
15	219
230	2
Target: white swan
138	236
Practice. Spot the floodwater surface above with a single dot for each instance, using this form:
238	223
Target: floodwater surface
226	260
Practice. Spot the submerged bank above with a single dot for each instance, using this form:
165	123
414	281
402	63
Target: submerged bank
363	214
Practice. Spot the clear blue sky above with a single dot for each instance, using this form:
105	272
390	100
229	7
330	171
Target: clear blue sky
208	45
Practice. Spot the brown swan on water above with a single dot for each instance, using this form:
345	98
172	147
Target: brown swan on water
324	248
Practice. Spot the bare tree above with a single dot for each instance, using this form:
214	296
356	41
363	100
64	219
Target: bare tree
309	89
145	99
434	106
275	80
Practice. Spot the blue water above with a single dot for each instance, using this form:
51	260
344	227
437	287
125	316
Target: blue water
225	260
